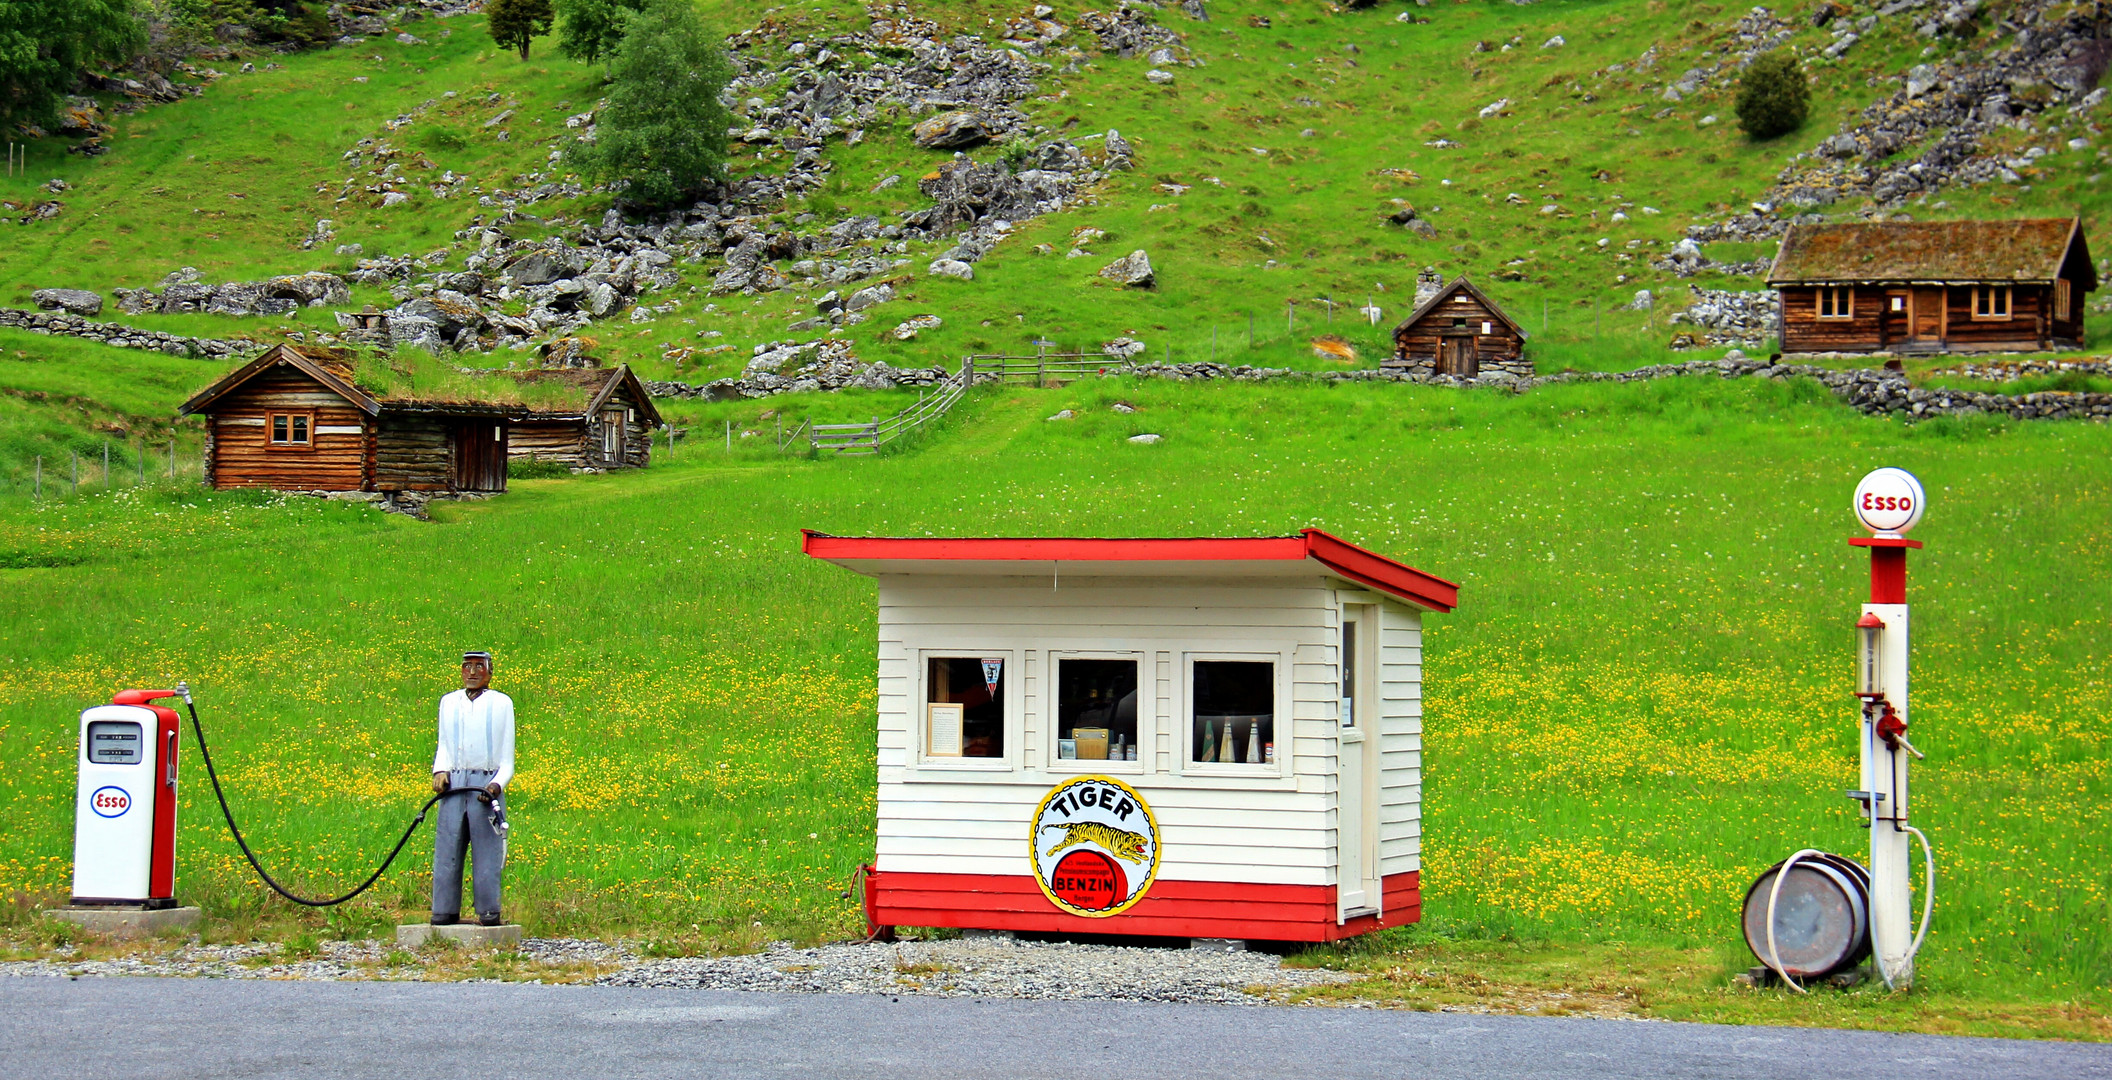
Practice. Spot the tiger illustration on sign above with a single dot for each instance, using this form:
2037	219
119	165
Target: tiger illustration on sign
1120	843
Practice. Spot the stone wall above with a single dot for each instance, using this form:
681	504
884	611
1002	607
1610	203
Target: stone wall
118	335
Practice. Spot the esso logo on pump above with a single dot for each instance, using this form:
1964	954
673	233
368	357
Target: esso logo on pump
1889	501
110	801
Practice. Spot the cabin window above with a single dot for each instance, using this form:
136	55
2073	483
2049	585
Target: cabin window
1836	302
964	707
1991	302
1096	709
1899	303
291	430
1233	712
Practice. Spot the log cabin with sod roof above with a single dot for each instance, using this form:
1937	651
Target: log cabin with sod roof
1933	286
1197	737
1460	332
612	429
298	419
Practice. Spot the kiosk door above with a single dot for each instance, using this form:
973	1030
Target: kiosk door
1356	831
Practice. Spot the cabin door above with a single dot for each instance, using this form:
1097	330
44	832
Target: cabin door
1358	890
480	456
612	433
1925	321
1456	356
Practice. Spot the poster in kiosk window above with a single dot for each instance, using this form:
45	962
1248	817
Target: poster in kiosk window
1094	846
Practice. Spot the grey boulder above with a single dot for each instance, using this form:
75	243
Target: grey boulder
1131	269
71	301
951	131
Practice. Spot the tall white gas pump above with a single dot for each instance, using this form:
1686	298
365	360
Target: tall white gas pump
124	832
1889	502
1816	915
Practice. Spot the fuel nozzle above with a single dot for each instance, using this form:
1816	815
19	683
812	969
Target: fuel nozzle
184	688
1892	729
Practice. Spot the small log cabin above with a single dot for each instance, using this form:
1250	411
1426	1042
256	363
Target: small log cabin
1933	286
294	419
613	429
1459	331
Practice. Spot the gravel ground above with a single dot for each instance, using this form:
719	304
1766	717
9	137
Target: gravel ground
987	968
955	968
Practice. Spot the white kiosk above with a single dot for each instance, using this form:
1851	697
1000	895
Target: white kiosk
1202	738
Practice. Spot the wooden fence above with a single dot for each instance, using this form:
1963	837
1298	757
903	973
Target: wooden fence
937	400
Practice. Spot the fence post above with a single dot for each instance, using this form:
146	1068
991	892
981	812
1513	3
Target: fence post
76	471
1330	309
1213	343
139	455
1290	324
40	478
172	457
106	464
1250	329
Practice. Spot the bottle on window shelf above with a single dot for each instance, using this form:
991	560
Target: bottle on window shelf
1254	742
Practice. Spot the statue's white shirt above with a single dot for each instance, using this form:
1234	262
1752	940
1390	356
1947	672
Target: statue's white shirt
476	735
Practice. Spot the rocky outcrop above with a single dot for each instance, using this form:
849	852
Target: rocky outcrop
2039	57
182	291
1723	317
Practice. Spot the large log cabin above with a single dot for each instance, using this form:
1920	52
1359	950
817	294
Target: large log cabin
1933	287
1459	331
295	419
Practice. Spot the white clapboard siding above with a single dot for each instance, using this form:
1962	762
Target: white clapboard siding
971	816
1400	739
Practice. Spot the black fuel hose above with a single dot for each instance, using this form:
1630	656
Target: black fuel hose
198	730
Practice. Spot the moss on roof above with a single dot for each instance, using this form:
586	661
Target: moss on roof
2029	249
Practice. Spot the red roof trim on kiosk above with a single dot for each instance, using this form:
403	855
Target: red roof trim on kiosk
1337	555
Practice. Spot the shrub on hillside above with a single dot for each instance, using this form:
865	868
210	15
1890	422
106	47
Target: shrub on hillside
514	23
662	135
590	30
46	45
1773	97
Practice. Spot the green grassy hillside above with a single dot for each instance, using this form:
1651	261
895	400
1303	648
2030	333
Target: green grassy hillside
1640	702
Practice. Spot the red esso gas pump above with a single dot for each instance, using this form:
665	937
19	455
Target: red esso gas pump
124	830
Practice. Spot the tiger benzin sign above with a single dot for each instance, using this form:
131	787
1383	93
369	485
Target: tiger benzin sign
1095	846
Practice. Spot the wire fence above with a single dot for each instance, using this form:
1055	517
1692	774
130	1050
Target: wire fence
132	463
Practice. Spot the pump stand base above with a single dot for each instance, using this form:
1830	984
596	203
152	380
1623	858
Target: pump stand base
413	935
129	922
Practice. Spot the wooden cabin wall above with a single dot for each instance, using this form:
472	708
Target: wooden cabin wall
2068	323
1804	331
240	453
413	453
2020	332
560	441
1876	326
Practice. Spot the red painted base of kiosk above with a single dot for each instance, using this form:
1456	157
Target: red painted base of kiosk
1193	909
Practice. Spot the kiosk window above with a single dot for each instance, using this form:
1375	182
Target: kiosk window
976	727
113	742
1096	710
1235	712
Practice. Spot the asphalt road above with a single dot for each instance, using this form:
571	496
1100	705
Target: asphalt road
143	1028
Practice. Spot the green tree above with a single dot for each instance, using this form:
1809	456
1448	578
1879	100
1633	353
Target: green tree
590	30
513	23
45	45
662	135
1773	97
